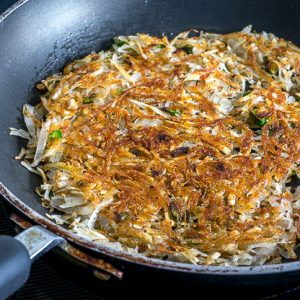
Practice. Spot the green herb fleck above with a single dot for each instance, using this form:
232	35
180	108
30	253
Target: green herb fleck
120	43
271	130
260	122
55	134
121	216
271	67
174	112
160	46
297	98
87	100
132	51
188	49
119	90
246	93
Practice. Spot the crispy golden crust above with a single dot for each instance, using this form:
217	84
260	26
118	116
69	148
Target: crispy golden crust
160	140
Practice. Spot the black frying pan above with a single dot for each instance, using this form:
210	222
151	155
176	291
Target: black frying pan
37	37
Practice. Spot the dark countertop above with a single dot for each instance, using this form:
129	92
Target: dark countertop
5	4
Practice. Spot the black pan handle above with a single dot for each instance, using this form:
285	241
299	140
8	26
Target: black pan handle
15	265
16	255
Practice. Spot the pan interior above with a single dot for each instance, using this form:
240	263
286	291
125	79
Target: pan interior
39	37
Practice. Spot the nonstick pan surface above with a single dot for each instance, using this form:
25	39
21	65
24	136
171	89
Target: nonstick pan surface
37	38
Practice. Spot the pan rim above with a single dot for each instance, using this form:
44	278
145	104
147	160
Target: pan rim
11	9
125	255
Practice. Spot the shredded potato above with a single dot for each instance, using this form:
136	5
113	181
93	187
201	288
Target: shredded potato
183	150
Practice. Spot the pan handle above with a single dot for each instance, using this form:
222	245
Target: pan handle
17	254
15	265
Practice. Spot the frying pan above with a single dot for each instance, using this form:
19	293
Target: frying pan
37	38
